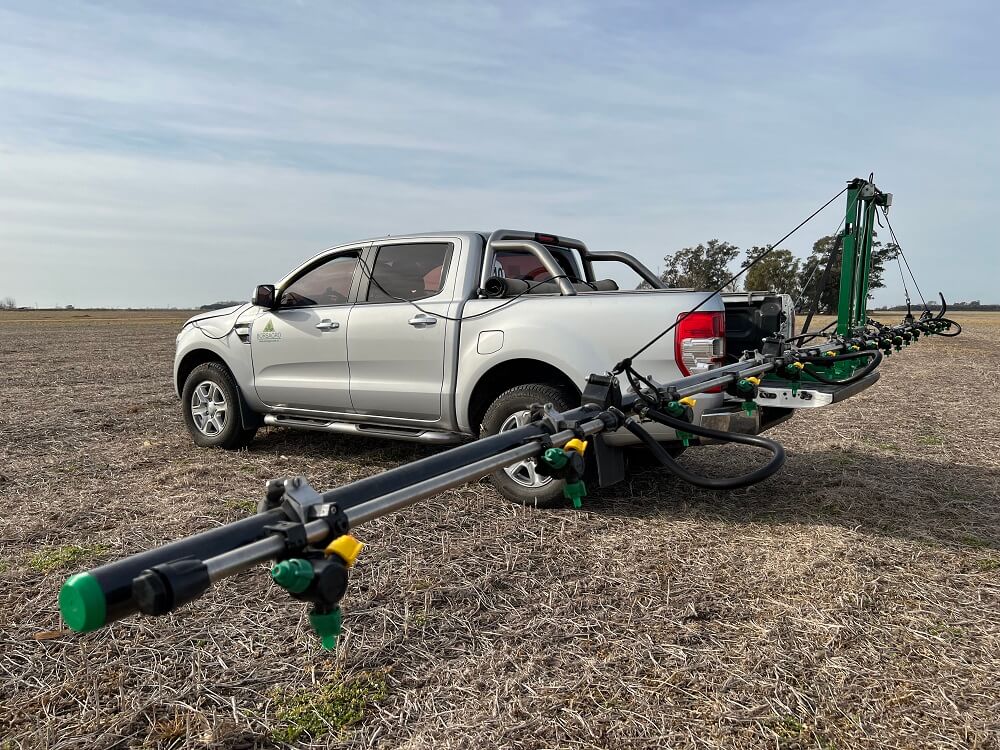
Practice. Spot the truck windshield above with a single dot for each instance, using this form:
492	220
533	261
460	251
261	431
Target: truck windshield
525	266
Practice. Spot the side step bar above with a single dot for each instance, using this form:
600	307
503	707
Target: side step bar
412	434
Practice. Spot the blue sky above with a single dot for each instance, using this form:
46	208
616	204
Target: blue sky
179	153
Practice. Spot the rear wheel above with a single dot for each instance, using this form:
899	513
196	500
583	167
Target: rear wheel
521	482
211	402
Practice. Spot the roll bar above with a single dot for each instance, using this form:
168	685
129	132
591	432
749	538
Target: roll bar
629	260
532	242
536	249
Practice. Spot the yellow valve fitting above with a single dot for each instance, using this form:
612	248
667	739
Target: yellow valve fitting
830	354
687	401
751	379
796	365
346	547
576	445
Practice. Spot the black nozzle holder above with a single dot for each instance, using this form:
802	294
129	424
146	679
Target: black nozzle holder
163	588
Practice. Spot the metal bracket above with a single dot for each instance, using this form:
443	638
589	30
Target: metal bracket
773	346
294	534
602	391
300	498
301	502
548	418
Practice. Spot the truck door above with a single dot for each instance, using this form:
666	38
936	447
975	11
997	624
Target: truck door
397	350
299	349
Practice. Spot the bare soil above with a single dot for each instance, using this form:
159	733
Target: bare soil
849	602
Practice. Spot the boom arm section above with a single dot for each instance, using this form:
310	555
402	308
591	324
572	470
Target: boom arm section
863	199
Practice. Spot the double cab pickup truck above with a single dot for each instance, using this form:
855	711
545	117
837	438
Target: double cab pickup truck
442	337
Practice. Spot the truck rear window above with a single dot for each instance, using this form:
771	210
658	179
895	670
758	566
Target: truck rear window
525	266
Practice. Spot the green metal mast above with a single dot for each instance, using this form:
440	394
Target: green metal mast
863	199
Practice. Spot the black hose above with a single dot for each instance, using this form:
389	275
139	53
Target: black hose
839	357
721	483
944	306
810	335
863	372
649	400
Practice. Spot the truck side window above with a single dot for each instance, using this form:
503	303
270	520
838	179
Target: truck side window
327	284
409	272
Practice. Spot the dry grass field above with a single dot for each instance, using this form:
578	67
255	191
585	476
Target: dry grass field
852	601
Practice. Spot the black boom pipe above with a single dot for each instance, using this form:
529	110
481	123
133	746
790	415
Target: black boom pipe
93	599
105	594
407	475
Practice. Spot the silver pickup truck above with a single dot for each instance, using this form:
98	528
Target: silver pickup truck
440	337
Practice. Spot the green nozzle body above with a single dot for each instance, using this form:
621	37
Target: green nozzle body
575	492
327	626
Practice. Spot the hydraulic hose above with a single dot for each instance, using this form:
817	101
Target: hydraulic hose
863	372
837	358
633	379
721	483
810	335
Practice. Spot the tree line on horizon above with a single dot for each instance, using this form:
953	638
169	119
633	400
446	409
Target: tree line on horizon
708	266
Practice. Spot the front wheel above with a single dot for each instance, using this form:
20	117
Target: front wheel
521	483
211	402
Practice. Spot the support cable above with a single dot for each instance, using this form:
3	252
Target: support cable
626	363
824	281
895	241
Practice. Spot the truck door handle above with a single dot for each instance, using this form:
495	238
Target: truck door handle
327	325
422	320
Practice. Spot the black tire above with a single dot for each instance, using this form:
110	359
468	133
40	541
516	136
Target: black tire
507	404
232	434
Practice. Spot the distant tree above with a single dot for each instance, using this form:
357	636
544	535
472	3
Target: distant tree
811	273
704	266
778	272
8	303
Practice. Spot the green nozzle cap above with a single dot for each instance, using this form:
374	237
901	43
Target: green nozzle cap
555	457
293	575
82	603
327	626
675	409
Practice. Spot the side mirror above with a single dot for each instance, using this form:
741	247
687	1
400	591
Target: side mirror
264	296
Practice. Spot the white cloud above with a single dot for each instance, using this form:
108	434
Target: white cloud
139	142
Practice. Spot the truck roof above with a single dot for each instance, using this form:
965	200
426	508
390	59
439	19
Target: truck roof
419	235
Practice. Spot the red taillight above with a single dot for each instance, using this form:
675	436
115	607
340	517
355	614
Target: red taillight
700	341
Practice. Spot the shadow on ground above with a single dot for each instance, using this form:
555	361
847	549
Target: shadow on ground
927	500
924	499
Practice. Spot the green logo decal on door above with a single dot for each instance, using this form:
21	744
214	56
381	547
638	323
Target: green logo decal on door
268	333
